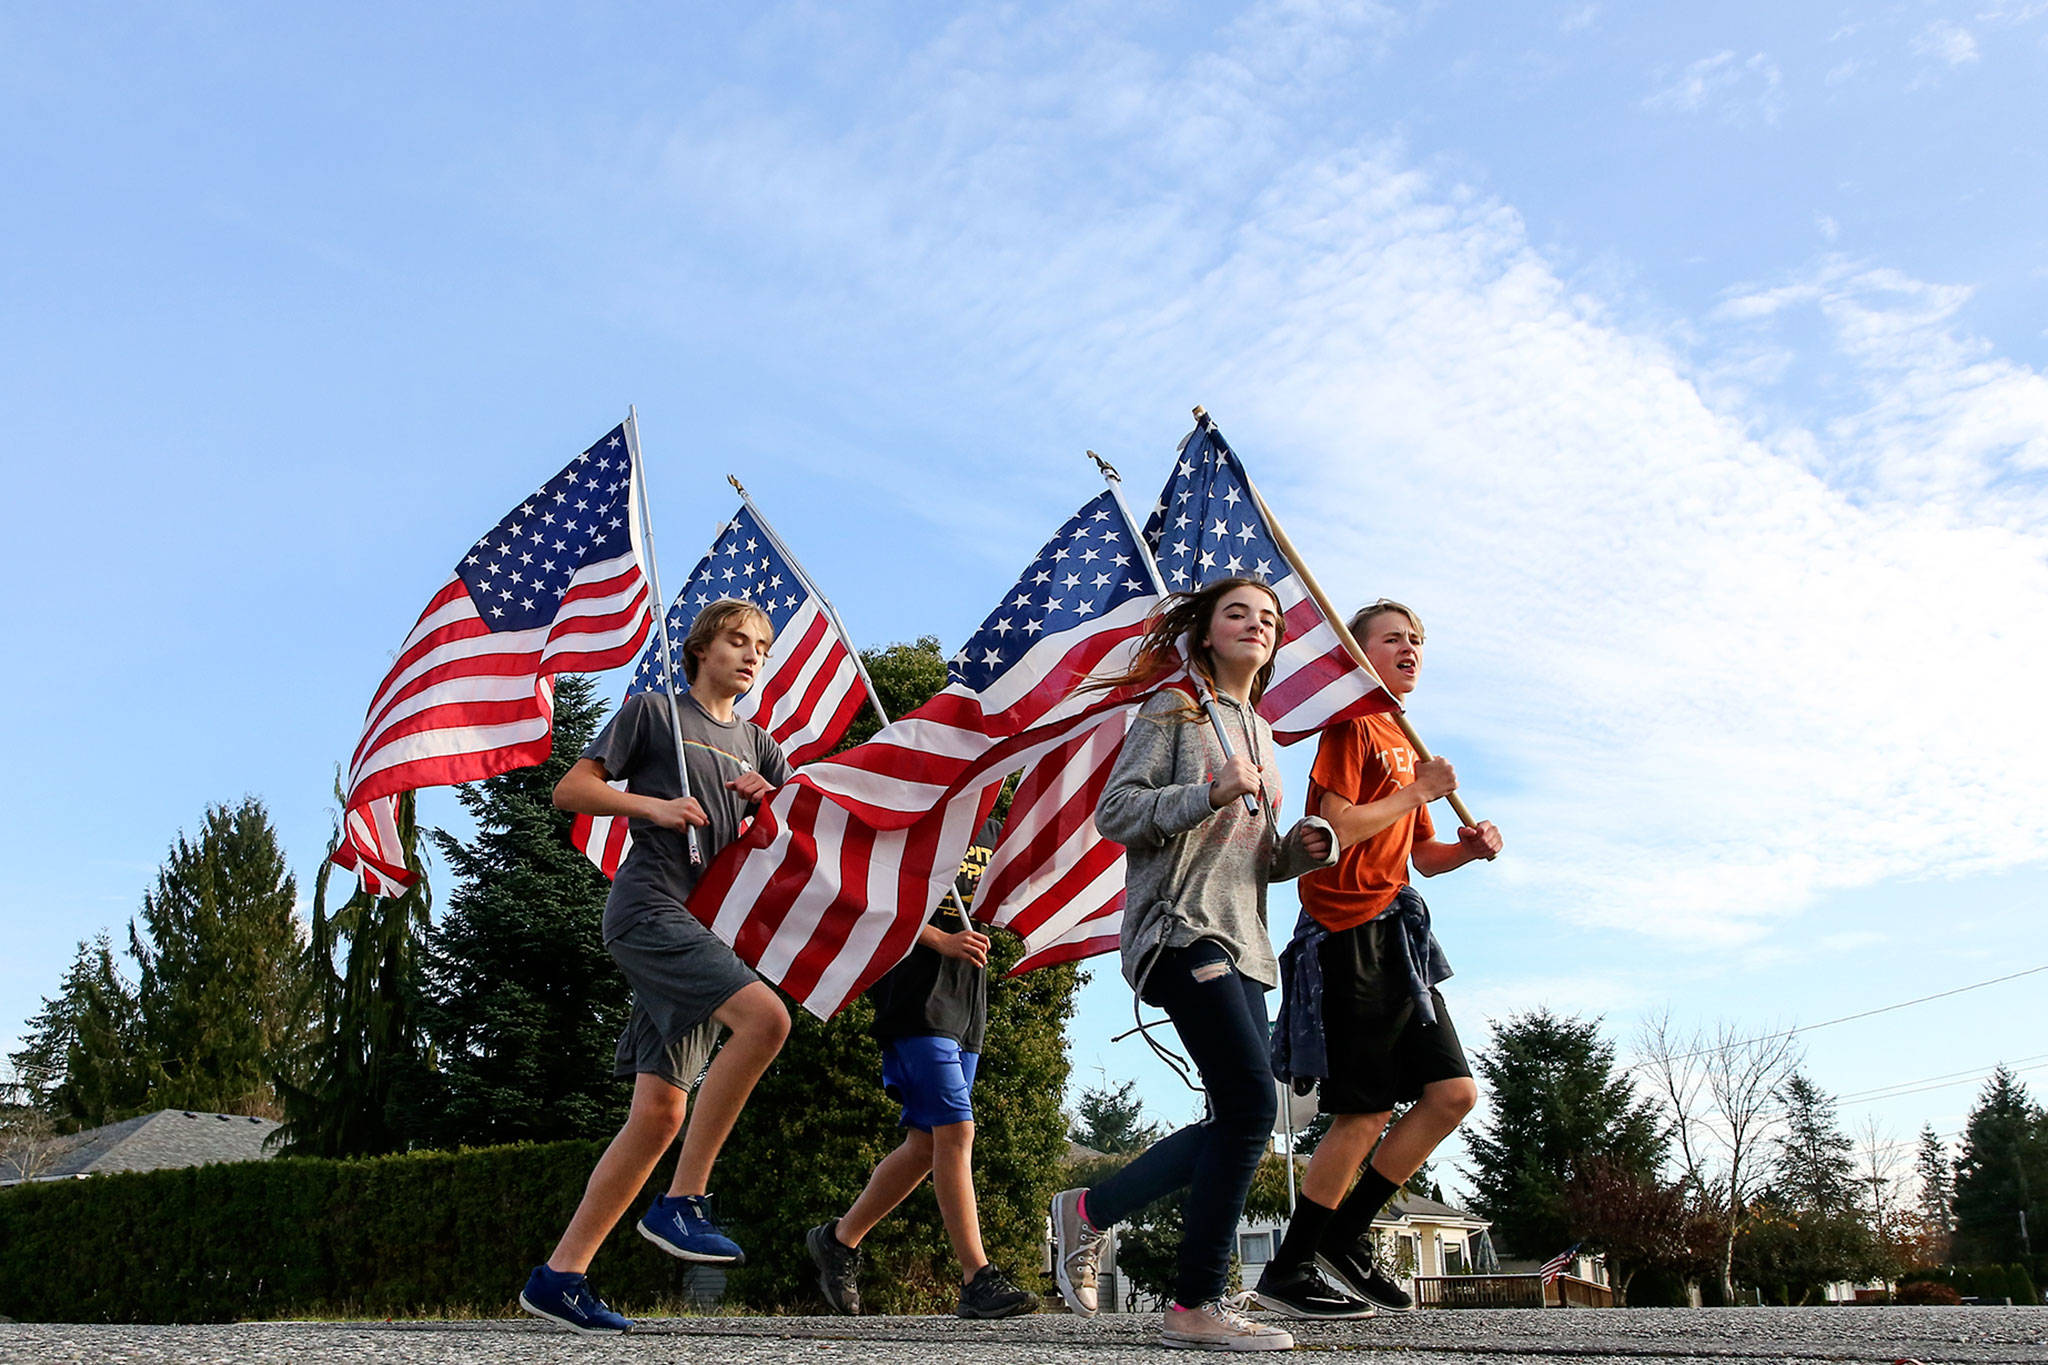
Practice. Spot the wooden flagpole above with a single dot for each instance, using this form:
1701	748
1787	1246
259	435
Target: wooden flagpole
1330	614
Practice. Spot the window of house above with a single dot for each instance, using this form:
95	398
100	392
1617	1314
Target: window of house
1454	1258
1254	1248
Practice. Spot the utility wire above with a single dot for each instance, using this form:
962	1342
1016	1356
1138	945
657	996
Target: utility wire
1939	1085
1847	1018
1970	1073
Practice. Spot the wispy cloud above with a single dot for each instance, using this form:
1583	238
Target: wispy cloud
1946	42
1724	86
1725	648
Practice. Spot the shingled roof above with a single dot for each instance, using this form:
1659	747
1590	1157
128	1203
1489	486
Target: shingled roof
165	1140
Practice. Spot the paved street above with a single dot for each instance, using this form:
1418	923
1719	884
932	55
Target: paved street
1438	1338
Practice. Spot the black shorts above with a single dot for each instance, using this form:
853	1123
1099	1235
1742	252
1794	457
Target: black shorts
1381	1054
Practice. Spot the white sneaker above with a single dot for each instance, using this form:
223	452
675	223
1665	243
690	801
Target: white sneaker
1076	1249
1216	1326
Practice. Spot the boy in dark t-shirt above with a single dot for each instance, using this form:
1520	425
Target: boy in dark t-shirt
931	1011
688	986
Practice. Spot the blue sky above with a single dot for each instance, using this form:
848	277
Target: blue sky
1684	369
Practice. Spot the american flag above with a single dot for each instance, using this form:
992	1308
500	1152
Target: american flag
826	890
1054	880
811	689
1555	1266
554	587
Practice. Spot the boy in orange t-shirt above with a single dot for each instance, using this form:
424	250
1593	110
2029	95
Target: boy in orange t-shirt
1384	1046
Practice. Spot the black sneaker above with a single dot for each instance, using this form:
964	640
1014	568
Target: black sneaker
838	1268
1355	1268
1301	1293
991	1294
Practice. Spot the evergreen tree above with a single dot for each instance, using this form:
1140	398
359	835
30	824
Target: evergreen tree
1815	1170
1112	1120
79	1059
1931	1167
523	1004
370	1050
2001	1174
1557	1106
223	993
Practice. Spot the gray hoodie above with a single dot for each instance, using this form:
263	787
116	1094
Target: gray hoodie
1196	872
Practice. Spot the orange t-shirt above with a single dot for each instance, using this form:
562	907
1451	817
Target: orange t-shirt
1363	761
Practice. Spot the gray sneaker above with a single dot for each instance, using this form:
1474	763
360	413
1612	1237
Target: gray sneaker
1076	1249
1216	1326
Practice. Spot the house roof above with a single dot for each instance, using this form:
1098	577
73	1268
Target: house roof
1414	1208
165	1140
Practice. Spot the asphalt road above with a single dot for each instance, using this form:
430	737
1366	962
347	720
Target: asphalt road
1502	1337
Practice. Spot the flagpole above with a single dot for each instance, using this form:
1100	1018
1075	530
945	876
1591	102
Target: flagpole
796	567
668	670
1322	601
1208	700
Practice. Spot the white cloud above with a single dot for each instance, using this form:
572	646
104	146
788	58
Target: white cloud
1577	18
1733	90
1727	648
1946	42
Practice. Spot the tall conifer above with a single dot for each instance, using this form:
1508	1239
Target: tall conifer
524	1005
1557	1105
223	993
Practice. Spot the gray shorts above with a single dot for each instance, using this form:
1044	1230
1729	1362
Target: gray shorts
680	973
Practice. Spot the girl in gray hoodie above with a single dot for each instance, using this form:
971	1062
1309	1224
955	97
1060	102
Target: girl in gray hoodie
1195	942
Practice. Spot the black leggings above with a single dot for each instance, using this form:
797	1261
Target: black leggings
1221	1018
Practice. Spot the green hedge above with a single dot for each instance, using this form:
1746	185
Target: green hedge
391	1236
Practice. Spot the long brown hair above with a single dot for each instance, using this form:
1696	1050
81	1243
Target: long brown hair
1185	616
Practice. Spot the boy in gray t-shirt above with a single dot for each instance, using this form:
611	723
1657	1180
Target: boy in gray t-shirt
688	986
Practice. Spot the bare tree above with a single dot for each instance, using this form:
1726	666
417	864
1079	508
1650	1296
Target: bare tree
1672	1069
1722	1094
29	1142
1882	1174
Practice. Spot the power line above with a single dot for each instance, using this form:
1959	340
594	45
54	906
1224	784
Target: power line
1847	1018
1918	1088
1969	1073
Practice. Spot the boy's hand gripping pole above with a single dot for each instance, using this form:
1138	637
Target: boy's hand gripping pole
1209	706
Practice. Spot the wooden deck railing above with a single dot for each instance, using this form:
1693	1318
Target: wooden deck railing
1479	1291
1509	1291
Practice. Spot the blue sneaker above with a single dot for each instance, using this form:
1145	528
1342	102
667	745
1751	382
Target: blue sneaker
566	1298
682	1226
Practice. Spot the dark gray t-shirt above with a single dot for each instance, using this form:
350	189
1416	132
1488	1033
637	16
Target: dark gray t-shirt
637	746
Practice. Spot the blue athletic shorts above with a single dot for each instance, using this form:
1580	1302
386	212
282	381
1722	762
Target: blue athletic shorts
930	1078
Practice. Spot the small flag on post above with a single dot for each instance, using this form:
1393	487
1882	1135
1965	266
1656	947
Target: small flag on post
1556	1265
555	587
807	695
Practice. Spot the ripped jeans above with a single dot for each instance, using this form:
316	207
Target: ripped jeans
1221	1018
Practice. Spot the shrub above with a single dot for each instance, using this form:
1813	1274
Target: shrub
1926	1292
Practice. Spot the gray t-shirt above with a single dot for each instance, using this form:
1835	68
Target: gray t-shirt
637	746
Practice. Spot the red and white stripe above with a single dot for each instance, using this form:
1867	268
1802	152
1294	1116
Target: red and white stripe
463	703
1056	882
